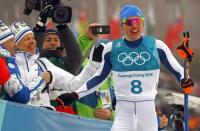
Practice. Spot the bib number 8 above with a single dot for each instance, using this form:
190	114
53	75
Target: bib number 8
136	86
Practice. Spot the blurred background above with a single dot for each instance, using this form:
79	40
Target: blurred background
165	19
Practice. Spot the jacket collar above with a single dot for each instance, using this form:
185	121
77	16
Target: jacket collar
25	57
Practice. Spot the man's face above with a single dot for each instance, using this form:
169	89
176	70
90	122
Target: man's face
10	46
133	28
27	44
51	42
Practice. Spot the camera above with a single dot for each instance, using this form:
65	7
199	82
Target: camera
101	29
58	12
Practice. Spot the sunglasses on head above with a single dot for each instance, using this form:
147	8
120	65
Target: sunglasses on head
133	20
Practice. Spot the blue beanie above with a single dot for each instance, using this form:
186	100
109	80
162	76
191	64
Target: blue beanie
128	11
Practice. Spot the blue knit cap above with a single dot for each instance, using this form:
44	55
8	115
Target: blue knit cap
128	11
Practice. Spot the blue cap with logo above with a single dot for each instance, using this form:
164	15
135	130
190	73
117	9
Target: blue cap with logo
128	11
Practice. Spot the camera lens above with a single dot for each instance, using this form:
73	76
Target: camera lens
62	14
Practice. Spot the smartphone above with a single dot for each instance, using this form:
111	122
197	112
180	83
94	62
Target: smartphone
101	29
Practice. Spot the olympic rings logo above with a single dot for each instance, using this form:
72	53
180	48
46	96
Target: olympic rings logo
134	57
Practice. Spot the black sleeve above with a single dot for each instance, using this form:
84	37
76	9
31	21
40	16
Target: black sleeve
39	36
72	61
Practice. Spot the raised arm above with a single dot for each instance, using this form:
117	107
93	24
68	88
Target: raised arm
72	61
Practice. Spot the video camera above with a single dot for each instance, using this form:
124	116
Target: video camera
59	13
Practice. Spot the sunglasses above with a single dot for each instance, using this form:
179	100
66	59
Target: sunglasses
133	20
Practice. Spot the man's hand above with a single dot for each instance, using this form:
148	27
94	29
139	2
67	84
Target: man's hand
45	13
47	76
163	121
187	86
43	16
103	113
67	98
88	31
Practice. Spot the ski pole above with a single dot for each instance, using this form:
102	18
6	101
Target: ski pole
186	53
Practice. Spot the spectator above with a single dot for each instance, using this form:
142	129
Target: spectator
31	66
53	51
60	46
100	103
85	40
14	88
5	74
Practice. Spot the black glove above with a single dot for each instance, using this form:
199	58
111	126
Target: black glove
187	86
40	26
61	26
67	98
97	53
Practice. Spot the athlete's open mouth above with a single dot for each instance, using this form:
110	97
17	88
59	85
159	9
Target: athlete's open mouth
134	31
